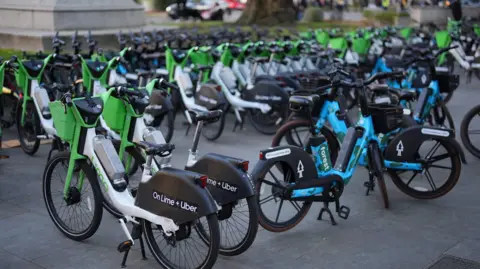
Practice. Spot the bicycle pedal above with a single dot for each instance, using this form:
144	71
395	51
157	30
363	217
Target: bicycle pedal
344	212
125	246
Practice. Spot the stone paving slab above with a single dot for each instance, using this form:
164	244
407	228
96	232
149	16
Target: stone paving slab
412	234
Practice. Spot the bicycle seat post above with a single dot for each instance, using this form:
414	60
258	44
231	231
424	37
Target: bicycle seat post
192	156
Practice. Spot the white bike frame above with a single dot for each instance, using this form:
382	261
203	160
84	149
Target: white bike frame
184	82
47	124
233	96
124	201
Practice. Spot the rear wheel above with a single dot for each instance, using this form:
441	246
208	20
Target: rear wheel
27	134
178	250
268	123
213	131
281	215
297	133
239	230
165	124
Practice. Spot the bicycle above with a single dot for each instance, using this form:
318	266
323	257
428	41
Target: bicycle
170	201
306	180
228	179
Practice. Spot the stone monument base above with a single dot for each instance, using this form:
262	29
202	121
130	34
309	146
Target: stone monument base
42	40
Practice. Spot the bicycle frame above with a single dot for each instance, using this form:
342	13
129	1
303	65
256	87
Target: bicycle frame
407	83
30	86
85	135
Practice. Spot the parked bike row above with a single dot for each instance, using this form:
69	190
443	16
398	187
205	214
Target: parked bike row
111	116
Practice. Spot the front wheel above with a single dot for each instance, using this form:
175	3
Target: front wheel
79	214
184	249
467	131
27	134
436	160
268	123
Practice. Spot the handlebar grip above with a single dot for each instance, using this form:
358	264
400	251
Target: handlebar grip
68	100
328	86
163	83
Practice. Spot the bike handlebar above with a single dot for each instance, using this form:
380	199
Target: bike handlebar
360	83
162	83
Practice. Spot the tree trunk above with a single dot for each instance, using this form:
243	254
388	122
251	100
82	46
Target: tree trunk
268	12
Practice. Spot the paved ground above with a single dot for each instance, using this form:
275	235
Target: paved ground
412	234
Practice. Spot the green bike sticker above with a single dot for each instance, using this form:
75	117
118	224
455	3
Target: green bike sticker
102	179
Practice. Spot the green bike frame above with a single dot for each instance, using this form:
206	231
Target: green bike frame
25	80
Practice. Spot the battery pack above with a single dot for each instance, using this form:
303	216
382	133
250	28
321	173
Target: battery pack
108	157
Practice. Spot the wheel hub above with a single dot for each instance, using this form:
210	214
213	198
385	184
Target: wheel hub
73	196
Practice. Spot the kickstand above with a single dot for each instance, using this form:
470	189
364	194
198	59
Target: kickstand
237	123
327	210
124	260
370	184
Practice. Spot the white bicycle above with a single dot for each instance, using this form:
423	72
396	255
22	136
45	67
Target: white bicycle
169	202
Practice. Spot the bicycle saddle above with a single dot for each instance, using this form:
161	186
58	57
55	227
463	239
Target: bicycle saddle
57	87
203	67
208	116
260	60
154	149
143	72
300	102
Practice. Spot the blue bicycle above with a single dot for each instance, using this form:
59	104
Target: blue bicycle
300	179
432	86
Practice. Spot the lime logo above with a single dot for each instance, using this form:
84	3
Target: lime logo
100	175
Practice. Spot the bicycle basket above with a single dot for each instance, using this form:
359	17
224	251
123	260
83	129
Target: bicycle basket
448	83
64	122
386	117
421	78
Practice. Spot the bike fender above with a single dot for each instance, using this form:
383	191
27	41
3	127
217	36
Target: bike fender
226	181
295	158
375	159
404	146
267	92
173	193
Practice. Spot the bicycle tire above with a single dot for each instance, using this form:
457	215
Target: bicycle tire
213	246
37	128
276	227
444	189
250	236
219	131
333	145
467	143
264	128
97	206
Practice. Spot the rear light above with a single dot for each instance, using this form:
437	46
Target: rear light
202	181
279	78
219	88
244	166
261	156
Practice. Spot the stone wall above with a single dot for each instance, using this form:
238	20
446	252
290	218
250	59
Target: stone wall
55	15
